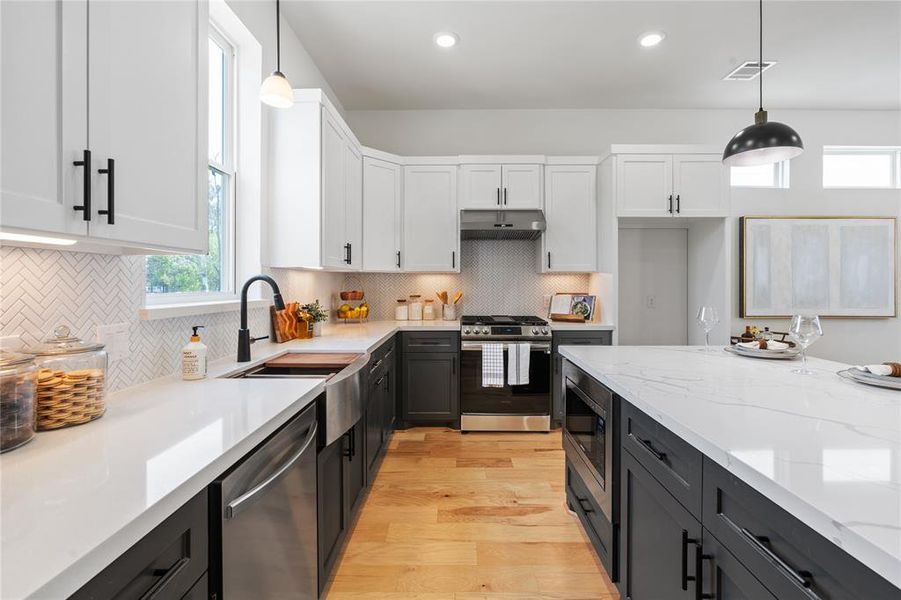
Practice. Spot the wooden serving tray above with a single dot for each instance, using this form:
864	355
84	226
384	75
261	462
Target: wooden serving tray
324	360
563	318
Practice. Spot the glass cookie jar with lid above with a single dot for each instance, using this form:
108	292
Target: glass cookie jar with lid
70	380
16	399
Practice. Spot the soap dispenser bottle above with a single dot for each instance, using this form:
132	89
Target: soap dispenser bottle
193	357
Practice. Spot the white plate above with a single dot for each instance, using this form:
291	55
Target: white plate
883	381
773	346
788	355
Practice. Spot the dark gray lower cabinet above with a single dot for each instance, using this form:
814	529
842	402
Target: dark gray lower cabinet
332	485
659	539
166	563
356	465
723	577
430	387
569	338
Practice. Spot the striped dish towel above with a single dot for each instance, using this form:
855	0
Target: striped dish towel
492	365
518	364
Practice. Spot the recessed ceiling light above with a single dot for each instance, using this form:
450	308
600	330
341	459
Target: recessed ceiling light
651	38
446	39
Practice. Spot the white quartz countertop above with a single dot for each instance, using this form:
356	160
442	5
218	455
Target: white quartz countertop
825	449
75	499
589	326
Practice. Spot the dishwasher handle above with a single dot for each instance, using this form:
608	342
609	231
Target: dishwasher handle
236	506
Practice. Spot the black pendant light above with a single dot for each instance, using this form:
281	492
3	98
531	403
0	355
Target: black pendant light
764	142
276	90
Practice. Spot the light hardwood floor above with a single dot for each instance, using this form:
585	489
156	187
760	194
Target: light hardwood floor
465	517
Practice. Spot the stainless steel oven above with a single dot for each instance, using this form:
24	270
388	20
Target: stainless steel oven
511	407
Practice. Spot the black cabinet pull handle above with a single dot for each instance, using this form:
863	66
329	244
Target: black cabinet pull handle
398	259
700	557
85	206
168	575
505	196
582	502
110	210
670	208
678	203
351	450
453	259
548	260
685	542
350	253
347	253
646	444
803	578
498	196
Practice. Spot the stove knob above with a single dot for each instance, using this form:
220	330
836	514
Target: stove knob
485	330
534	331
544	331
466	331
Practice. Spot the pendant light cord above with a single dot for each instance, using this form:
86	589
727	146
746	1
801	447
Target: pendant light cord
760	62
278	39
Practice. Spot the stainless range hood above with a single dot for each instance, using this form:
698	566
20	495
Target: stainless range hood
501	224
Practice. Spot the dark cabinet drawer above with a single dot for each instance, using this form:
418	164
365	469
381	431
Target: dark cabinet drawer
431	341
382	358
164	564
582	338
582	492
790	559
669	458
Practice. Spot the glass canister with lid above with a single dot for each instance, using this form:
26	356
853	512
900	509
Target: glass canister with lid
17	374
415	307
70	381
401	311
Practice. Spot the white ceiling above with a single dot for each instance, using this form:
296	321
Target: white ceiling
380	55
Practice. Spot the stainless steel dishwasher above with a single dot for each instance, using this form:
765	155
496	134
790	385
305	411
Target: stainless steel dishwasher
267	518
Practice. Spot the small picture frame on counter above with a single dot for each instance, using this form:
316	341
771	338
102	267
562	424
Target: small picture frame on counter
572	307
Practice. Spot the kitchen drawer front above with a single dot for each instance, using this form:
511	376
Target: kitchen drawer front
581	491
583	338
431	341
669	458
166	563
790	559
381	359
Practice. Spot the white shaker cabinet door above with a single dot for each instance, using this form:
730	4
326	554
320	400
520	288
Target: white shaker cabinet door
43	79
570	241
644	185
521	187
334	183
353	206
480	186
701	185
431	235
147	85
381	215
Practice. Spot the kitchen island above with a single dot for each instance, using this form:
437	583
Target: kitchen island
824	450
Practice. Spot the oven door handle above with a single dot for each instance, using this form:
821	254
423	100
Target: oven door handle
477	346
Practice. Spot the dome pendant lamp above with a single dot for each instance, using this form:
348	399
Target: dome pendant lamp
276	91
764	142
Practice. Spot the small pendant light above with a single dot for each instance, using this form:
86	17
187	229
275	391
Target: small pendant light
764	142
276	90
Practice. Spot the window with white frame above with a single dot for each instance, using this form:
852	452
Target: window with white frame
176	278
862	167
774	175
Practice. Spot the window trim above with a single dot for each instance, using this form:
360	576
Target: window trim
893	151
781	178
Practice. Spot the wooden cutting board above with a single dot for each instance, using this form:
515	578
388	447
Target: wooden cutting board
324	360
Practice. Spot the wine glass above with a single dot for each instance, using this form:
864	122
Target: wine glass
805	330
707	319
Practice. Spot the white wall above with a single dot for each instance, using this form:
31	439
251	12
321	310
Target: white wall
653	273
592	131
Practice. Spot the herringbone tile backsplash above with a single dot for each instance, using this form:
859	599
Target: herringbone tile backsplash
496	277
40	289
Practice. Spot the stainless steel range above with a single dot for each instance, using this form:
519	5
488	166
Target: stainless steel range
509	407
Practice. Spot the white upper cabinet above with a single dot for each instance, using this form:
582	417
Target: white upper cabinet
315	211
701	185
430	229
677	185
382	216
489	186
43	79
148	115
480	186
570	242
644	185
123	83
521	186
